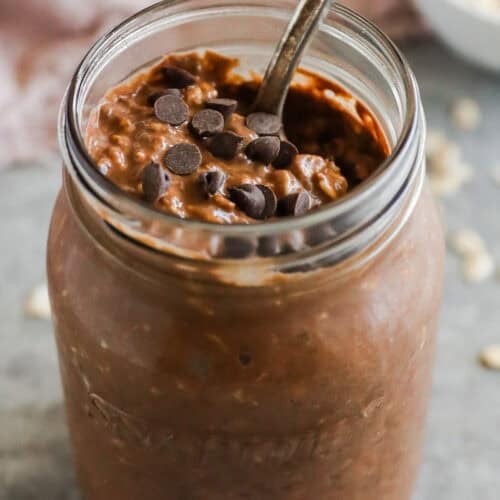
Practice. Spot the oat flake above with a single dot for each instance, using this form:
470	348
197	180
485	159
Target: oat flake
478	267
466	242
37	304
466	114
490	357
435	140
446	168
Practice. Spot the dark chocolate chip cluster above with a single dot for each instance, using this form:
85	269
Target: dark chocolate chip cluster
255	200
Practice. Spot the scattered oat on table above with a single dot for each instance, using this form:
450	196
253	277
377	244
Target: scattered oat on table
466	114
451	182
476	261
478	267
447	154
490	357
446	168
435	140
487	6
37	304
466	242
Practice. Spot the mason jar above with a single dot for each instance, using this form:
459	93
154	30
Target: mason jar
195	373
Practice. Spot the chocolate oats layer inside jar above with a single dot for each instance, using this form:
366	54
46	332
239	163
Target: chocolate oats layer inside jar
183	137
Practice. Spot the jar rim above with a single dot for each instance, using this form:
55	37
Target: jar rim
83	169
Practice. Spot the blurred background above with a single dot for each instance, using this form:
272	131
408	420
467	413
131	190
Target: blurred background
454	48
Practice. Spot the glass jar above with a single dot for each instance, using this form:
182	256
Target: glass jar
193	368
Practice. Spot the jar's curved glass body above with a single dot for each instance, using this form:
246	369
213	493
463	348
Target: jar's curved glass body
314	388
185	380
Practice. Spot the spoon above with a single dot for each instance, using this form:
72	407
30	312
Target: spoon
287	56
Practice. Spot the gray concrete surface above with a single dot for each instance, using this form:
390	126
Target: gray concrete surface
462	455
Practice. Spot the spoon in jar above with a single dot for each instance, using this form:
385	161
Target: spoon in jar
287	56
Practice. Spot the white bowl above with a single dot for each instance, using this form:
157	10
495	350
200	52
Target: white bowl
469	29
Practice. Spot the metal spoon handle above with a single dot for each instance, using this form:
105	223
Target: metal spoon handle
279	74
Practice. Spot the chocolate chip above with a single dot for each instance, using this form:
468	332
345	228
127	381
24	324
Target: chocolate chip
155	182
156	95
225	106
245	358
264	123
263	149
177	78
294	204
268	246
212	181
288	152
320	234
171	109
236	248
183	159
207	122
225	145
249	199
271	201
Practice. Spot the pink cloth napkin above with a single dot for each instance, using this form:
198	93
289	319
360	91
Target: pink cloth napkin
398	18
41	42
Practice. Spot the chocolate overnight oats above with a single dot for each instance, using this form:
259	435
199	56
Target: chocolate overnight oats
183	137
298	368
